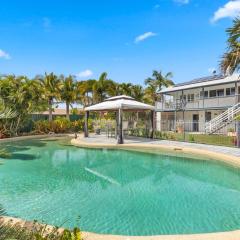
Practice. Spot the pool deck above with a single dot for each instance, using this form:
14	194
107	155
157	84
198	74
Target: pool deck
225	154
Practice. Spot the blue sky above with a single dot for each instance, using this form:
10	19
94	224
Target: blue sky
126	38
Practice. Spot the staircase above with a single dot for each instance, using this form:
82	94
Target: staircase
223	119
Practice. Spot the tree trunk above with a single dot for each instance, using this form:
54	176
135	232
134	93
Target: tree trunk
50	110
67	110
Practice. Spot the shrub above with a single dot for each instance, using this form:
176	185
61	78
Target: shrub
61	125
191	138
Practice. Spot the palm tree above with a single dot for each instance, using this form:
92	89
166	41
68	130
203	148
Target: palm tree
231	59
156	84
103	88
150	94
159	80
137	92
52	87
85	91
68	92
124	89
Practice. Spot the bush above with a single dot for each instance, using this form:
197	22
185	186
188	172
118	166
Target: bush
61	125
191	138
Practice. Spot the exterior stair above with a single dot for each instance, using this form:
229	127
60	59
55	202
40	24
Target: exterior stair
223	119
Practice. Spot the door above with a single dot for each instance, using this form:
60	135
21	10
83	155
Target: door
208	116
195	122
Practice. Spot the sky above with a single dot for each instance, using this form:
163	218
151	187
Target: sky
126	38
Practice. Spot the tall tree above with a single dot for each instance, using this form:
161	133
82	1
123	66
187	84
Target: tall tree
21	96
103	88
68	92
85	91
125	89
137	92
156	84
231	59
51	85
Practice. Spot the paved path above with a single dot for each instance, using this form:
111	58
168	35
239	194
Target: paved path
133	140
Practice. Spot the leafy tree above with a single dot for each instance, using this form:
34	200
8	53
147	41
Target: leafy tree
155	84
125	89
23	97
231	59
103	88
51	86
137	92
85	91
68	92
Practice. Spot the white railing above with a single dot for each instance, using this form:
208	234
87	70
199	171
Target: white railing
223	119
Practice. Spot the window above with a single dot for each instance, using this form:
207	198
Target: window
213	93
183	97
220	92
190	97
230	91
205	93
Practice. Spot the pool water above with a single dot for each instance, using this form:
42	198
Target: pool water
117	191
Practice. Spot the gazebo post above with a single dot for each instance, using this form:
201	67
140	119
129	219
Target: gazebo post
120	132
86	124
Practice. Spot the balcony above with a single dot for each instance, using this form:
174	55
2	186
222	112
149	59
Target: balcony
197	104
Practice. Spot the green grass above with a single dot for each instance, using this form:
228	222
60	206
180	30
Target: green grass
220	140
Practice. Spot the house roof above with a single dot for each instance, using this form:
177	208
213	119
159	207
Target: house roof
119	102
56	112
202	82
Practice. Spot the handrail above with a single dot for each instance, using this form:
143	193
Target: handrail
222	119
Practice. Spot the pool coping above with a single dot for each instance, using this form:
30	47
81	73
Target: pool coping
79	142
30	225
228	158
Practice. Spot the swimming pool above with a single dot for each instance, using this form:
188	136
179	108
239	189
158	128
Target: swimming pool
118	191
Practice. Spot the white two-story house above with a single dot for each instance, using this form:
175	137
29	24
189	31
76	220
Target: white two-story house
191	105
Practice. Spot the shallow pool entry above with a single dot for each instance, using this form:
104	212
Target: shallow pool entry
117	191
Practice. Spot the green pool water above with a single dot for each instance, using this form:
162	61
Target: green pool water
118	191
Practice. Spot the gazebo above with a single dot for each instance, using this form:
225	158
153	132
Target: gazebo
119	104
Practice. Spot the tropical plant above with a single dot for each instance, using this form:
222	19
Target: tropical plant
231	59
51	86
85	92
157	82
68	92
103	88
22	97
125	89
137	92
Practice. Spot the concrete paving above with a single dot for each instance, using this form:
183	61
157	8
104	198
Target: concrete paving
138	140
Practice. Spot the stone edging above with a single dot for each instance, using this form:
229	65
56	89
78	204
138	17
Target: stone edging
211	155
29	225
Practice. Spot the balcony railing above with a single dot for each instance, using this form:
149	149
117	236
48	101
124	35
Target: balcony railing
213	102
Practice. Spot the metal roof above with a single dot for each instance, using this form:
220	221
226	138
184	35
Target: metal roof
202	82
198	80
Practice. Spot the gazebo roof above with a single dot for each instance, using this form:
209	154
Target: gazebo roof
119	102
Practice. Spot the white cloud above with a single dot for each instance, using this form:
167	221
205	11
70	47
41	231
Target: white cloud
182	1
230	10
84	74
4	54
144	36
